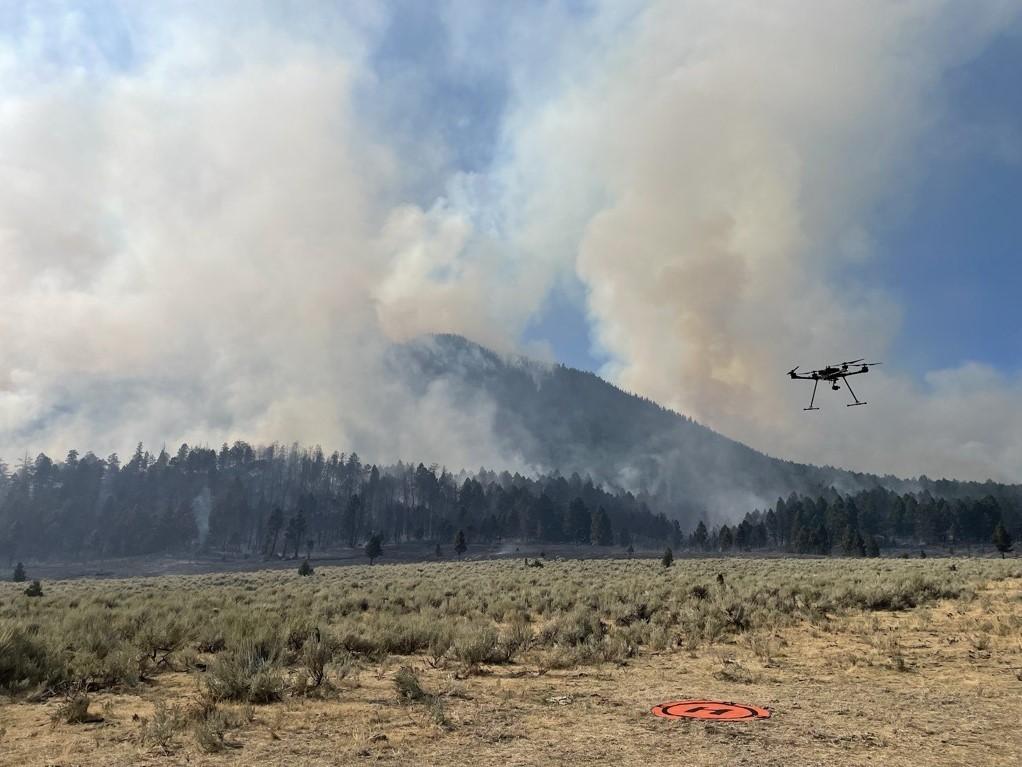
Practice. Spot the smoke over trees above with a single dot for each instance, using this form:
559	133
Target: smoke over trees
273	501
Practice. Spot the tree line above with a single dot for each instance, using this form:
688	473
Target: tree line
863	523
276	501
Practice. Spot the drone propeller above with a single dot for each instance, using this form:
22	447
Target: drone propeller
851	362
792	371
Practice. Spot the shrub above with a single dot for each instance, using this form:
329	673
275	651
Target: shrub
211	724
159	731
35	589
305	569
316	654
25	660
157	638
407	684
668	558
440	644
575	628
515	639
735	616
476	644
243	676
75	708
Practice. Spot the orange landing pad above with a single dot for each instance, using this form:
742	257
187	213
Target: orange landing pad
712	710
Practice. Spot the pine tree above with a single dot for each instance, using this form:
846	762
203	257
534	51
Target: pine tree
374	548
601	533
19	573
700	536
305	568
460	544
727	538
273	527
668	558
439	553
1002	539
577	522
872	547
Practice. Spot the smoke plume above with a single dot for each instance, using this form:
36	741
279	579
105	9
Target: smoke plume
214	224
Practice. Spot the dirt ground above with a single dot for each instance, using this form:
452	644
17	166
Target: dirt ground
937	685
146	566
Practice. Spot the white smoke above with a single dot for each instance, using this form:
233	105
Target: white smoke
719	167
211	246
202	505
214	242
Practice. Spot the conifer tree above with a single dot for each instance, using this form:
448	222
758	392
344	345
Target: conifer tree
374	548
668	558
19	573
601	533
1002	539
460	544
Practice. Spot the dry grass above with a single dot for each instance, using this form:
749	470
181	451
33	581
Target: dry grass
862	662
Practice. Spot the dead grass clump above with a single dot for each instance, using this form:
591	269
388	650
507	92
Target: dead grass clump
211	724
408	687
159	732
75	708
732	671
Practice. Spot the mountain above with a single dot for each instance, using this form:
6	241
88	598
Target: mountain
555	418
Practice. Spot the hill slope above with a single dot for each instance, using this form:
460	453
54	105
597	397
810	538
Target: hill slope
556	418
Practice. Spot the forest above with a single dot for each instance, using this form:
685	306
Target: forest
276	501
863	523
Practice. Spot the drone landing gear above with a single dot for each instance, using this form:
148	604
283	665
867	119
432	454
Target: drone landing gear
813	398
857	402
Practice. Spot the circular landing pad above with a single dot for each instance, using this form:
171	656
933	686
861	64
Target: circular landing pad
712	710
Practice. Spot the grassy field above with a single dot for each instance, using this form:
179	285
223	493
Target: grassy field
895	662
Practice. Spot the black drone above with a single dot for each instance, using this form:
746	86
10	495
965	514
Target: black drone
831	374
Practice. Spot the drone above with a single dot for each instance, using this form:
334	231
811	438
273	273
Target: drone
831	374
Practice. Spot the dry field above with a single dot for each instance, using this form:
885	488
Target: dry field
888	662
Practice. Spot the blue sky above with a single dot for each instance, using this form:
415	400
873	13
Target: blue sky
954	257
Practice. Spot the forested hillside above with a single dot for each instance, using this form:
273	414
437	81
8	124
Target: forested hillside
555	418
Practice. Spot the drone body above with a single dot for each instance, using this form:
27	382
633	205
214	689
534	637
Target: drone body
832	374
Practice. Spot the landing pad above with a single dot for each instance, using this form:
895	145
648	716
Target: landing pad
711	710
